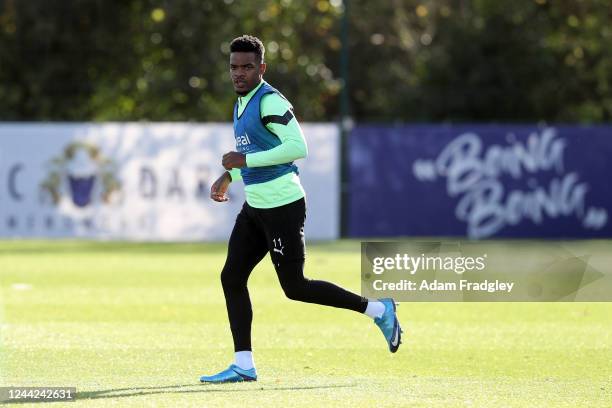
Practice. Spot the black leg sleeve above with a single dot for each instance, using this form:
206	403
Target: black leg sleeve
298	287
247	246
284	229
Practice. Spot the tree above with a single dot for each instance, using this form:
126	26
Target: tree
410	60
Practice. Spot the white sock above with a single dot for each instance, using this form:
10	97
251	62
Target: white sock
244	360
375	309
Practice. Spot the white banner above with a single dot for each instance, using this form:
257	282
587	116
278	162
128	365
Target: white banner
141	181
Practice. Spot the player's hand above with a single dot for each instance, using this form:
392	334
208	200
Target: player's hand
233	160
219	188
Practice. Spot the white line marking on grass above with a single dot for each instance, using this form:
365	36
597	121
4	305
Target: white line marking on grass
21	286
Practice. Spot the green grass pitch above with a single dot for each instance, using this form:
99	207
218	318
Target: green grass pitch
135	325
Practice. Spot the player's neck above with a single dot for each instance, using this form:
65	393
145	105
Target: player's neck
250	93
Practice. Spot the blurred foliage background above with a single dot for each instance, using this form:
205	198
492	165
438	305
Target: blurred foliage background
410	60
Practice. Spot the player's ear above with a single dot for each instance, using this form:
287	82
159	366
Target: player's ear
262	68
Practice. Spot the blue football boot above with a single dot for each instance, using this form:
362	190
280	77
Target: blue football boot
231	375
389	325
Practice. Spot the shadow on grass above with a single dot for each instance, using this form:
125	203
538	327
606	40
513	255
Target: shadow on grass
191	389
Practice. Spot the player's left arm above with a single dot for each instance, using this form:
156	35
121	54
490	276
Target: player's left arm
277	115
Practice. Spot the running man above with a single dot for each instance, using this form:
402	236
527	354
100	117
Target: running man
268	140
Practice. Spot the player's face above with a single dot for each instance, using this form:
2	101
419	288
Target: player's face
246	71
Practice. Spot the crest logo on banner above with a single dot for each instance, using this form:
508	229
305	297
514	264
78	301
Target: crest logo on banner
83	174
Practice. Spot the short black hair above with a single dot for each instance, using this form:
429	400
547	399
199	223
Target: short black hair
248	43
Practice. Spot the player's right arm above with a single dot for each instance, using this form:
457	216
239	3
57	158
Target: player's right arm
220	186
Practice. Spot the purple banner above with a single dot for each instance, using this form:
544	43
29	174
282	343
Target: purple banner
481	181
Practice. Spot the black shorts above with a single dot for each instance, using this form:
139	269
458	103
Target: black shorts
280	229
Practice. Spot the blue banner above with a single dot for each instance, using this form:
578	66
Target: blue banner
481	181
